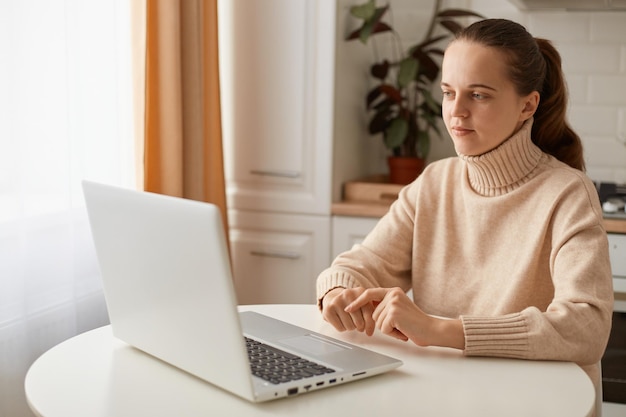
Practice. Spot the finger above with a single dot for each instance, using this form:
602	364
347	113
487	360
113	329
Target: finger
368	296
370	323
398	335
380	308
358	319
386	324
333	318
346	320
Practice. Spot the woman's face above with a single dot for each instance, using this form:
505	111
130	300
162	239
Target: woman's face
481	108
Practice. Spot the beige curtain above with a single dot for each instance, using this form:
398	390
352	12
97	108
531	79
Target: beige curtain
183	139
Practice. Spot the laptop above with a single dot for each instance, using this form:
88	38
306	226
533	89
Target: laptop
169	291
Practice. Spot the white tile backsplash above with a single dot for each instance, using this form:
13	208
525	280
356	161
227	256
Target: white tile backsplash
619	175
576	58
621	129
556	26
603	151
607	89
593	120
608	27
578	88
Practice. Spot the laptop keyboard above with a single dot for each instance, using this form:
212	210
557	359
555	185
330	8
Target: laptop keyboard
277	366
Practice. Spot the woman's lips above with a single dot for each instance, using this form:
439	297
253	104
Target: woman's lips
461	131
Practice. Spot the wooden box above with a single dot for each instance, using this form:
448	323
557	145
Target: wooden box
375	189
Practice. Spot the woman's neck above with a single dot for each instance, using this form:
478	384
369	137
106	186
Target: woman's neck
506	167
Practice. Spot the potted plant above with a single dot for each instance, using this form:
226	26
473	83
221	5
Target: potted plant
401	103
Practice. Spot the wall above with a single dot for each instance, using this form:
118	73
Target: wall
593	49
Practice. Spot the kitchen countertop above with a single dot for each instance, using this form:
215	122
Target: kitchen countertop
615	225
378	209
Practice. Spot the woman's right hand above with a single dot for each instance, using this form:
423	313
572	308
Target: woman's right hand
333	311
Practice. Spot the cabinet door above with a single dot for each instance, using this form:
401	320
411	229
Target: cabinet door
277	76
348	231
276	258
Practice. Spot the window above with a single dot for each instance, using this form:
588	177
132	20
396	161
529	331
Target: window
65	115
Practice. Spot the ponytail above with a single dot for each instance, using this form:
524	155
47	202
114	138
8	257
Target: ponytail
551	132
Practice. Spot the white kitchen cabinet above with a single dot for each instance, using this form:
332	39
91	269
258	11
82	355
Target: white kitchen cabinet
348	231
277	80
277	257
277	91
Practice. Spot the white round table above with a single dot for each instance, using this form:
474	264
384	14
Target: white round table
97	375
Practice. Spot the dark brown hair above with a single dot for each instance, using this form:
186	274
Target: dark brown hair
534	65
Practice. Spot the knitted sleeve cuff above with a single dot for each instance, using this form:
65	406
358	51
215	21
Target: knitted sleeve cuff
503	336
333	280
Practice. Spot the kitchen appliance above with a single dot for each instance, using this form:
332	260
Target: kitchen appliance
613	197
614	359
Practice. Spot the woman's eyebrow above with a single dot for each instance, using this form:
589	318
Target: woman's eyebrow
477	85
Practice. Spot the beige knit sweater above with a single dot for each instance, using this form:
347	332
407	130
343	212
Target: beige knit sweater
511	241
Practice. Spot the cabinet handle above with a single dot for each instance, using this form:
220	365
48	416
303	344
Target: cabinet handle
284	174
276	254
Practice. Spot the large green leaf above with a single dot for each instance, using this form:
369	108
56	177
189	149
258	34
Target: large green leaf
374	25
396	132
431	102
423	144
407	72
432	121
428	66
364	11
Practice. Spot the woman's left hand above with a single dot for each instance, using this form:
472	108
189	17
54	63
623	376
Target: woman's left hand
397	315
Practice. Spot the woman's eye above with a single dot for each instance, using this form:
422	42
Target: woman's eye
447	94
478	96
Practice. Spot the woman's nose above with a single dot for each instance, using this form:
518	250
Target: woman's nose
458	108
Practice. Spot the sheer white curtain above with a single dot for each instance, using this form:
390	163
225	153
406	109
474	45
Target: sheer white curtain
65	115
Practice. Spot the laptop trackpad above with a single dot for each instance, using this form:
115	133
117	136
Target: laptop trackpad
313	345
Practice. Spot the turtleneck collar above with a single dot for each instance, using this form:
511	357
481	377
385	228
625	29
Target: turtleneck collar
506	167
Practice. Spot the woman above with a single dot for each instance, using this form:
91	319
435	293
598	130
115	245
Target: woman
504	246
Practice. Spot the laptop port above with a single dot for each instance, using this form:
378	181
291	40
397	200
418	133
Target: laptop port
292	391
319	384
332	381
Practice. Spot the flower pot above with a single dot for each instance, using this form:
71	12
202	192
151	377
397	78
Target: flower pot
403	170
